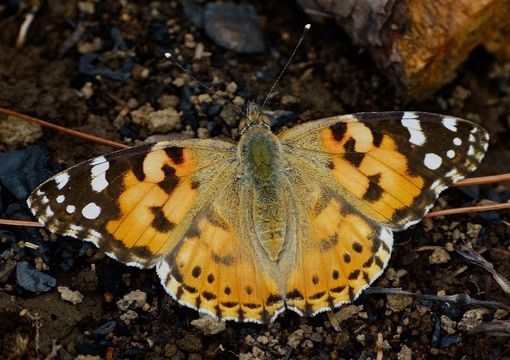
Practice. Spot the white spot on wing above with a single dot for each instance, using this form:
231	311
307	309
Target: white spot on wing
387	236
61	180
45	200
450	123
417	137
70	209
471	150
99	183
457	141
91	211
432	161
409	115
49	213
485	146
98	160
60	199
450	154
472	138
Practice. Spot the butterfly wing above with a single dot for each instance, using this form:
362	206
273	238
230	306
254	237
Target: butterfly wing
357	178
217	268
390	165
136	203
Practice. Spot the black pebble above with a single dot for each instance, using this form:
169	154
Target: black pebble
31	279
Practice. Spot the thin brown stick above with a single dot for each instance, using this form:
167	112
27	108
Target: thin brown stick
469	209
483	180
78	134
20	223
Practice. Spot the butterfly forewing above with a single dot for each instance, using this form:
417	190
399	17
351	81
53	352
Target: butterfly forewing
135	203
390	165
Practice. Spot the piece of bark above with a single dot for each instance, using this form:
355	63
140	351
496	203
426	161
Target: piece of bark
419	44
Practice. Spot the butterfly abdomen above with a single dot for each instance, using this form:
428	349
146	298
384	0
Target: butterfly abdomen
261	169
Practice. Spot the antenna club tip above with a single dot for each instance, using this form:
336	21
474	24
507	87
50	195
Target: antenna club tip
168	55
308	26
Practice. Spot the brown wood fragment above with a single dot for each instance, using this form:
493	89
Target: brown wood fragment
419	44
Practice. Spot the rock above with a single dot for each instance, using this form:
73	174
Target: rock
234	26
405	353
190	343
129	316
294	339
105	329
22	170
15	132
419	57
135	299
398	303
448	325
209	325
74	297
472	318
439	256
31	279
158	121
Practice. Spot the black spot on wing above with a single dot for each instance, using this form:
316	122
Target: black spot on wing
317	295
350	153
170	181
354	275
328	244
295	295
175	153
160	221
137	169
227	260
208	295
338	130
273	299
378	137
197	270
374	191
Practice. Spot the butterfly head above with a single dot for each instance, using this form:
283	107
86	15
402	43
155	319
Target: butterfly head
254	118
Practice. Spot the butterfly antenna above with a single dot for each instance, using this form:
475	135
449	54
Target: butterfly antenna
303	35
193	77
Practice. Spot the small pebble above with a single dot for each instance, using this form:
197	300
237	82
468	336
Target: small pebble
135	299
74	297
209	325
439	256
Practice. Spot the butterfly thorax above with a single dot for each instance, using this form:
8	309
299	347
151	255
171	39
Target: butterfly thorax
262	171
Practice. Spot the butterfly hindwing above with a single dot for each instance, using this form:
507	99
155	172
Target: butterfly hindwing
340	251
218	267
390	165
134	203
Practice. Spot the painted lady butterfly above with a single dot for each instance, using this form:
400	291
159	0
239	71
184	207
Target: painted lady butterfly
300	220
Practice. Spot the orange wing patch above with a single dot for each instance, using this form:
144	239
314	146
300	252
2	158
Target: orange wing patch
155	200
371	169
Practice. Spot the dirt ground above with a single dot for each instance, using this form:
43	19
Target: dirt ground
51	78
